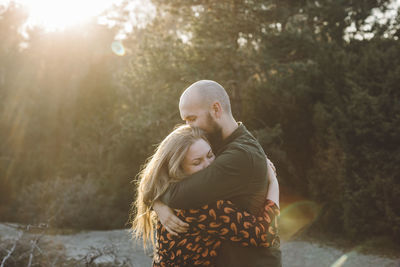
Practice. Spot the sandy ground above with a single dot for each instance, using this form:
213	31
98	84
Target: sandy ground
117	248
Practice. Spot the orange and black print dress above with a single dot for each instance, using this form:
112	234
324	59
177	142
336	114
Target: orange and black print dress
210	225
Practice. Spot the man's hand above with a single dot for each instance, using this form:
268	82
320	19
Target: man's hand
168	219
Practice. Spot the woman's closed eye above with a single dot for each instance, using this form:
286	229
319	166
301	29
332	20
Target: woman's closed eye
196	162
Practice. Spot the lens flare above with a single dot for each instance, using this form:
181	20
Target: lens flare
118	48
295	216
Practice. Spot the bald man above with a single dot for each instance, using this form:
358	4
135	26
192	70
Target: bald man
239	172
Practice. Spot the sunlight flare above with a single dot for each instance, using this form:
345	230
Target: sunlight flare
57	15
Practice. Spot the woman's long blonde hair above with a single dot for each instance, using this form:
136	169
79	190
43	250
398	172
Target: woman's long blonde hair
160	170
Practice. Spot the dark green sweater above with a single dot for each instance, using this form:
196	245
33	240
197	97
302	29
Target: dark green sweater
239	173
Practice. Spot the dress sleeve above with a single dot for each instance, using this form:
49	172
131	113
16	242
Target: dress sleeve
225	221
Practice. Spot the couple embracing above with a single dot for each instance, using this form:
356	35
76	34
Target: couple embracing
209	191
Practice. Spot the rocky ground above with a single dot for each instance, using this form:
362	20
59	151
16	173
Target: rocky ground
115	248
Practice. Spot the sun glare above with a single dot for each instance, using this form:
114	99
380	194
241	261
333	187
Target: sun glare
60	14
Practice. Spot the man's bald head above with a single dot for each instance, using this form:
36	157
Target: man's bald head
204	93
205	104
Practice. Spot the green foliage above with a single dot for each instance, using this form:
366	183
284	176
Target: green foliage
372	131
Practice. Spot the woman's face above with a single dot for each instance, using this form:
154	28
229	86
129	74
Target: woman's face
198	157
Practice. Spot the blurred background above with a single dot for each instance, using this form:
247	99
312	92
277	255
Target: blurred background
87	88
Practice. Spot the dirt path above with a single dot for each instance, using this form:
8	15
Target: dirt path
301	254
117	249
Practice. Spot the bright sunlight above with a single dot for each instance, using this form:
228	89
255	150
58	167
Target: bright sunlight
58	15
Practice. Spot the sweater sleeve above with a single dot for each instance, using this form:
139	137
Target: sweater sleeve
226	175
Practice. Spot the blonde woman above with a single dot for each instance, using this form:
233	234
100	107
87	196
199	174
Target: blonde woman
183	152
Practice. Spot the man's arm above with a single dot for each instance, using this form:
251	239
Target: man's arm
224	178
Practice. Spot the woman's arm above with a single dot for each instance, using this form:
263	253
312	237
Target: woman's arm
224	221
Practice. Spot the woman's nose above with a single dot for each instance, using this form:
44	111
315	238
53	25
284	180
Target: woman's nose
207	162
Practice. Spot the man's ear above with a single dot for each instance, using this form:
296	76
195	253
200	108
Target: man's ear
216	109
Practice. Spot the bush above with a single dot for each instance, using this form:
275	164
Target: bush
73	203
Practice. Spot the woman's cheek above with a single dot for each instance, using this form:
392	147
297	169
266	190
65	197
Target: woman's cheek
194	168
200	167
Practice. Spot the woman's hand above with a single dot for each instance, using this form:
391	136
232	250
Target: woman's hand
168	219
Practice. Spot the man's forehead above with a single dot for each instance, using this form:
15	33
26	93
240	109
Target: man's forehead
188	111
190	108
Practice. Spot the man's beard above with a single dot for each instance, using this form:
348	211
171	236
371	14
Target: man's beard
214	134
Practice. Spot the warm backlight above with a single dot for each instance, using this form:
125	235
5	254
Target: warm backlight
60	14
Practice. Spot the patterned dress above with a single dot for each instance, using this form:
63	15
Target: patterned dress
211	224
